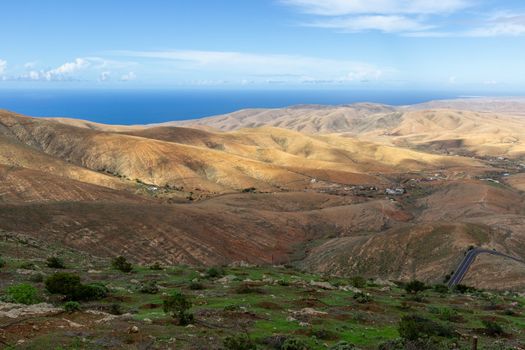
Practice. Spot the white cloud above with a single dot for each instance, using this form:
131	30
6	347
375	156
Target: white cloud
60	73
353	7
387	24
104	76
501	24
263	67
3	66
128	76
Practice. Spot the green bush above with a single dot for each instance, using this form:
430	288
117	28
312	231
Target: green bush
71	306
413	327
88	292
27	265
55	262
69	285
120	263
492	328
115	309
358	282
294	344
156	267
441	288
362	298
415	287
461	288
2	262
149	287
214	272
36	278
194	285
62	283
178	306
23	294
239	342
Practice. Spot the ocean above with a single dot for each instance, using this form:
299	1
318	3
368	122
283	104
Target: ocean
155	106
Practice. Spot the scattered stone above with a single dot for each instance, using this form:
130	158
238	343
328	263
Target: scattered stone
308	311
227	279
323	285
133	329
350	289
18	310
148	321
73	324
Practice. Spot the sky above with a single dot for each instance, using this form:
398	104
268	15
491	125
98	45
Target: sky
467	45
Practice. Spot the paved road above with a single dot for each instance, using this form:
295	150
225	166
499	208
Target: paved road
469	258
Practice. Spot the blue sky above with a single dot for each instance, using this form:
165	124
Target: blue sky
467	45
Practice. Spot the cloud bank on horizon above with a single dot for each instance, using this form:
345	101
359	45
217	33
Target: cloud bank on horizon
447	44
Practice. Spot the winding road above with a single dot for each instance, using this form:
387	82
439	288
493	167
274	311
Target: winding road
469	258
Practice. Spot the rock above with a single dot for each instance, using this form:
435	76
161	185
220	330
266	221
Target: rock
323	285
308	311
304	324
18	310
190	326
94	271
133	329
148	321
226	279
350	289
382	282
134	281
72	324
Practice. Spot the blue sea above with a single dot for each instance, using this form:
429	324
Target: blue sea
155	106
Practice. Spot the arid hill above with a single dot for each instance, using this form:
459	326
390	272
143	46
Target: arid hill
362	189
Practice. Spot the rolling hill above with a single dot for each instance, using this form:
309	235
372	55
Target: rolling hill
361	189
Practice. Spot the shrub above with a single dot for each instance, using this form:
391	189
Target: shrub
342	345
120	263
88	292
62	283
245	288
413	327
214	272
294	344
55	262
415	287
23	294
239	342
194	285
461	288
358	282
69	285
178	306
2	262
441	288
27	265
156	266
149	287
492	328
362	298
115	309
71	306
37	278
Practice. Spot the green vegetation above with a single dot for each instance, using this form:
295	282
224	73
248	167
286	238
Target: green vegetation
178	306
415	287
71	306
265	308
69	285
55	262
120	263
23	294
239	342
